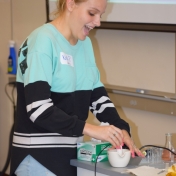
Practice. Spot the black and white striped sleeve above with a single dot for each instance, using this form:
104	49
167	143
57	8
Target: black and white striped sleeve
104	110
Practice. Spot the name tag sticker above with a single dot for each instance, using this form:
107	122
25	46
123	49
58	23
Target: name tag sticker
66	59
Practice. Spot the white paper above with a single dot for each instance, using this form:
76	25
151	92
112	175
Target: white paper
147	171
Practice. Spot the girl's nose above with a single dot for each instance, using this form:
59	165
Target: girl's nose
97	22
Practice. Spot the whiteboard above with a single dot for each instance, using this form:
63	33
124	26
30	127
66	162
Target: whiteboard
141	11
135	11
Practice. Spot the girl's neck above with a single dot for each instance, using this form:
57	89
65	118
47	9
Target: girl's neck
62	25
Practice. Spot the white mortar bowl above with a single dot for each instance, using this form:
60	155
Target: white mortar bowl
116	159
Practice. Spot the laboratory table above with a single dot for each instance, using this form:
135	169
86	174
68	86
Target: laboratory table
86	168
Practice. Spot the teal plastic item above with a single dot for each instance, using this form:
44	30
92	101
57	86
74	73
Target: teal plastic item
12	65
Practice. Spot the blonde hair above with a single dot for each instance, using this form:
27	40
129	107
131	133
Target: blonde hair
61	5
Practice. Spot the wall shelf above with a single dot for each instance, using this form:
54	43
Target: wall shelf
157	104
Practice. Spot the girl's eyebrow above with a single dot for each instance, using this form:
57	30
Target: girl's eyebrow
93	8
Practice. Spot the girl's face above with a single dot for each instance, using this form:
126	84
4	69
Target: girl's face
85	16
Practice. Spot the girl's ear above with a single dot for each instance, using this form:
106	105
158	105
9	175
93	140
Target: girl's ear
70	4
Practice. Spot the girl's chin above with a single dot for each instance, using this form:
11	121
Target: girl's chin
83	37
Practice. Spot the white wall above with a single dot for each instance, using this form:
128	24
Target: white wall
147	127
136	59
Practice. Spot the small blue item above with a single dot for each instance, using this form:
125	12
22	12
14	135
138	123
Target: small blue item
12	65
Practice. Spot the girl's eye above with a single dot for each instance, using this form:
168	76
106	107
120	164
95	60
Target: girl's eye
91	14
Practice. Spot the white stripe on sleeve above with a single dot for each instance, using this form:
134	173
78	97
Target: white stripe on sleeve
100	100
103	107
39	111
37	104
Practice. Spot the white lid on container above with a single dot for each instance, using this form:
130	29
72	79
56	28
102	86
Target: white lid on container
11	43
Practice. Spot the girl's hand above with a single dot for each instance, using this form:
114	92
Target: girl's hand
129	142
108	133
